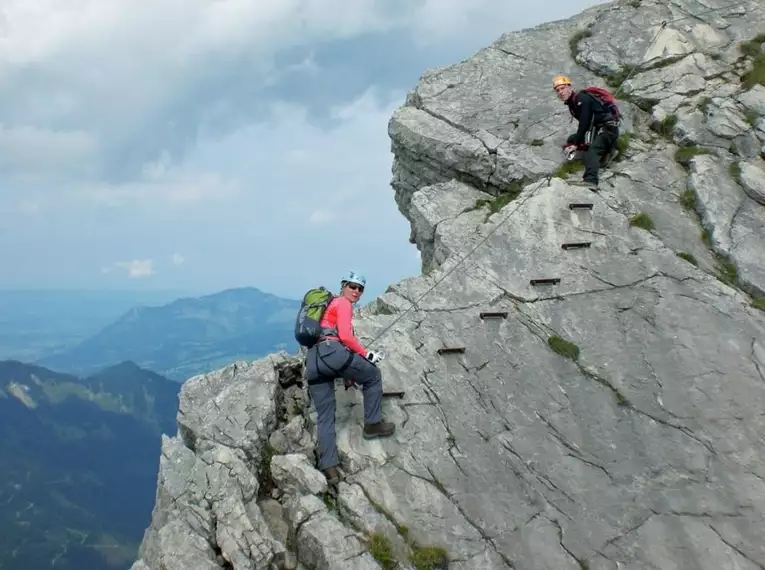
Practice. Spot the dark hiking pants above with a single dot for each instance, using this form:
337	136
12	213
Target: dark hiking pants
602	144
326	361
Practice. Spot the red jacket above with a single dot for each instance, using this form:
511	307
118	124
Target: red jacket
339	315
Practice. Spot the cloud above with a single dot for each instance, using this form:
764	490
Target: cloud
102	88
134	269
250	136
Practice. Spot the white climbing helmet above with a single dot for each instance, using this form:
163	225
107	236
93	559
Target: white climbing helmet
353	277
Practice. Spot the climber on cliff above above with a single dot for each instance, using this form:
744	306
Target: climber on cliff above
598	116
338	353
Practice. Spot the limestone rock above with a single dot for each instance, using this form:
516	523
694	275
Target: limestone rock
754	99
294	437
324	542
726	119
294	474
735	222
753	181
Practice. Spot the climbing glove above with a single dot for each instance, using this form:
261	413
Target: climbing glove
374	357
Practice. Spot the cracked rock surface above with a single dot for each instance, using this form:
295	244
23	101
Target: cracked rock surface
613	419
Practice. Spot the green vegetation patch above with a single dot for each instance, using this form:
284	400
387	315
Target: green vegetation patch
564	347
642	220
756	75
687	257
428	557
573	43
381	550
666	126
684	154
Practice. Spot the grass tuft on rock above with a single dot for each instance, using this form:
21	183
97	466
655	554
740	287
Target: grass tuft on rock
381	549
563	347
623	142
573	43
685	154
568	167
688	200
642	220
727	272
734	169
687	257
753	49
666	126
428	557
759	303
510	193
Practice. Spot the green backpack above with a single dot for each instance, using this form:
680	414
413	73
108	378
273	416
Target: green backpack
307	329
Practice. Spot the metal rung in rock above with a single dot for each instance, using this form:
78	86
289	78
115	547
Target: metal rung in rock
451	350
553	281
580	206
576	245
393	394
501	315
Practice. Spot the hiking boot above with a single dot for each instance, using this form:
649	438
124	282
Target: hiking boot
332	474
380	429
584	184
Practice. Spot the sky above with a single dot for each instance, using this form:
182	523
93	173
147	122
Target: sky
207	144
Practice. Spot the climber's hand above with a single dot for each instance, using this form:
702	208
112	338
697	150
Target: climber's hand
570	151
374	357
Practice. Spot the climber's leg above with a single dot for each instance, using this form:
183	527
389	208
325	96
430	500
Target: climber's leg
602	145
368	376
323	396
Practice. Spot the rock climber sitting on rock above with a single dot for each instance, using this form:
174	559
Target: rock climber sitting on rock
598	116
340	354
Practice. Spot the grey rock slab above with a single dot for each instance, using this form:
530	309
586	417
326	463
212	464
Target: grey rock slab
753	180
760	130
658	540
691	130
360	513
528	245
293	474
746	145
748	236
273	514
718	198
653	183
295	437
632	35
323	542
234	406
754	99
735	221
685	77
725	119
434	204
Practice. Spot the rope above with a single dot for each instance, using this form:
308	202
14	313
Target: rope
468	254
519	203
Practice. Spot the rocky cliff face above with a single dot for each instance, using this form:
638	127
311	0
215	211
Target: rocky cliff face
609	419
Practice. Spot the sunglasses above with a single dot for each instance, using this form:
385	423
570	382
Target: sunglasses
355	287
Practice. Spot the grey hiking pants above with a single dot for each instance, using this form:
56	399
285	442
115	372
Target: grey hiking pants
330	359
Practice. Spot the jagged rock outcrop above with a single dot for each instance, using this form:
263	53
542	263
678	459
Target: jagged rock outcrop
609	420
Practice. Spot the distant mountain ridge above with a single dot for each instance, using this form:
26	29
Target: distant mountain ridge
78	463
188	336
35	323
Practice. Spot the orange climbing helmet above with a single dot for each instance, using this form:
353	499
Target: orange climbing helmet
561	80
